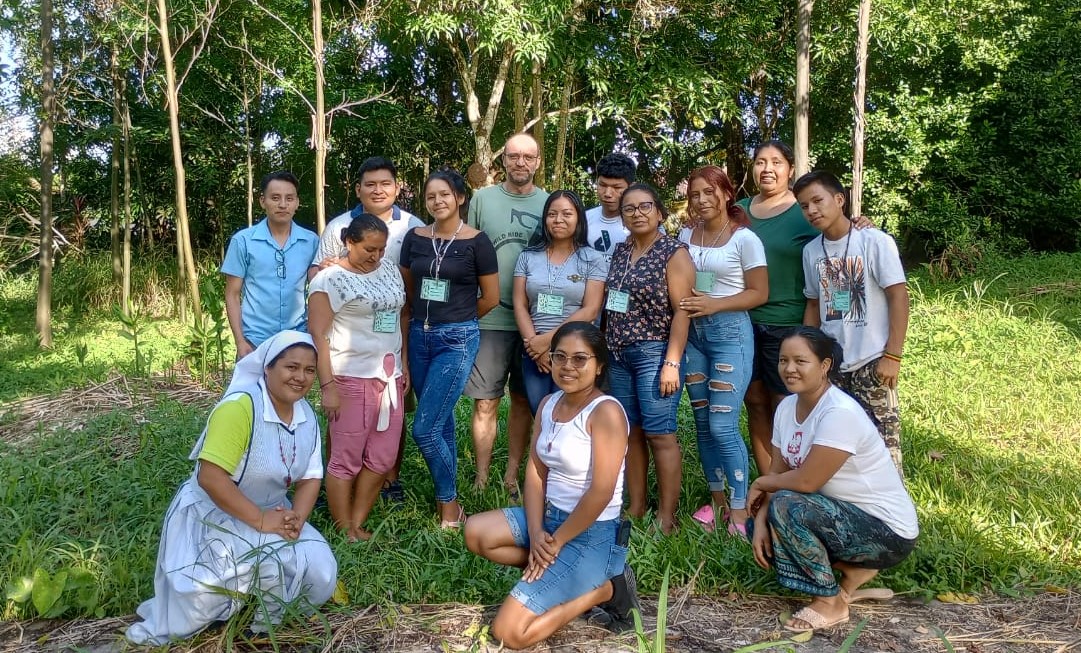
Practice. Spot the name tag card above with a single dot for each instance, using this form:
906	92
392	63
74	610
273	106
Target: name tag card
434	290
703	281
618	301
842	300
386	321
549	304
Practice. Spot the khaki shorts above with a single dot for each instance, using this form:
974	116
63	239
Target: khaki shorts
499	357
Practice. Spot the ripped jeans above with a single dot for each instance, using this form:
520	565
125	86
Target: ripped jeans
717	368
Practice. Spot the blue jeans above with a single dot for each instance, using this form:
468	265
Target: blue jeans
538	385
634	372
583	564
440	360
717	367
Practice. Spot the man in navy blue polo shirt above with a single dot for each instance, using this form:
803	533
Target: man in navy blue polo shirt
266	268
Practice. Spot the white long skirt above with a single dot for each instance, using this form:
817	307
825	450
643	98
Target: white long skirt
208	562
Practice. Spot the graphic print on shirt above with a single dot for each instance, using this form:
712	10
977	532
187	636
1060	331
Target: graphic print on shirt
794	459
519	239
604	243
844	290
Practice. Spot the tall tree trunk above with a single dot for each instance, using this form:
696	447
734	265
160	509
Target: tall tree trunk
147	243
803	85
248	167
538	116
735	152
114	169
519	99
858	100
185	257
564	124
319	120
125	284
44	314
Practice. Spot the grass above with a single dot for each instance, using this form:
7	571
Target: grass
989	415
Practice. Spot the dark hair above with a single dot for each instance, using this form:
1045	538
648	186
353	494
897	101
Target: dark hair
617	166
274	361
823	346
362	224
456	183
594	338
717	178
278	175
826	180
646	188
376	163
784	148
581	228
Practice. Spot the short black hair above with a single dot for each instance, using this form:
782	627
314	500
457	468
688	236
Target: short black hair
376	163
278	175
658	203
823	346
784	148
826	180
593	337
617	166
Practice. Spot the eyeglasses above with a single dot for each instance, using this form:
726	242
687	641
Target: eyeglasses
630	209
517	158
279	258
578	361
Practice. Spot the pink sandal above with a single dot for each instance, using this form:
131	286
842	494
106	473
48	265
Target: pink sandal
704	516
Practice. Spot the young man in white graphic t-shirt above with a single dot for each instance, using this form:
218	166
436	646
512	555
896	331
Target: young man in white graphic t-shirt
615	173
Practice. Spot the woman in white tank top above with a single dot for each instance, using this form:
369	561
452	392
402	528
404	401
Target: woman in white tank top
569	538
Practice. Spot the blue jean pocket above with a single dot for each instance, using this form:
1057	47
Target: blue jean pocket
617	560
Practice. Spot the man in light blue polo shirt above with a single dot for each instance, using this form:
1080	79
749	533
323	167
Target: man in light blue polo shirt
266	267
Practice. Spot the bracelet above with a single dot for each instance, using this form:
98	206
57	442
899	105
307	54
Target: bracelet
671	364
322	386
892	357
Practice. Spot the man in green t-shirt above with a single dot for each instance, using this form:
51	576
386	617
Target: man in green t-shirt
510	213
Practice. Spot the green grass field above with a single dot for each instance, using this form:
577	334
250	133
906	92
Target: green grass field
990	389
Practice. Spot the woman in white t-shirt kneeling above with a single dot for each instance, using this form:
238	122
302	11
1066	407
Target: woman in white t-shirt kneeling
833	499
355	315
569	538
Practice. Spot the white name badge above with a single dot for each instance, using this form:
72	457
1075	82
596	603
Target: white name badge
386	321
618	301
703	281
434	290
549	304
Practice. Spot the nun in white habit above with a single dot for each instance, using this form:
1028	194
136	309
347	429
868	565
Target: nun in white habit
231	533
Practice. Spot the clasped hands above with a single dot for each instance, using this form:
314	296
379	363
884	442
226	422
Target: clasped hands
282	521
543	550
537	348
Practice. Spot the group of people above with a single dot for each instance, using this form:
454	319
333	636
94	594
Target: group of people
595	321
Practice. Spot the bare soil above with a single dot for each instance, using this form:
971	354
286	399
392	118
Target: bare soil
1048	622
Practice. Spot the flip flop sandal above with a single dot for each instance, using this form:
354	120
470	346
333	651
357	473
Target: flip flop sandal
870	594
454	525
815	620
704	516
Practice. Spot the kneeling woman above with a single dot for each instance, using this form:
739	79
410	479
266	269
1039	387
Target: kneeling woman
833	499
568	537
231	529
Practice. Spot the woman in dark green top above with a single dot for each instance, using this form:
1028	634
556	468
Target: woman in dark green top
778	221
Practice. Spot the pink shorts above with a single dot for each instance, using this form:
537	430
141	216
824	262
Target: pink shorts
355	442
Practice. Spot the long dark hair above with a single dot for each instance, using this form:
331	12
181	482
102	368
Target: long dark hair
580	238
593	337
823	346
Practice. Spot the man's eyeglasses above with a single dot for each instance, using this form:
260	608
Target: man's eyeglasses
517	158
630	209
279	258
578	361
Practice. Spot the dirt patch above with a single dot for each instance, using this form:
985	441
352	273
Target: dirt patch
1043	623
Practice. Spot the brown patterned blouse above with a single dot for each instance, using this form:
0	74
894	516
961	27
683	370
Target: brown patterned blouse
649	314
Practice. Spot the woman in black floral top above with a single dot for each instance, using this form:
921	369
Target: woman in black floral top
649	274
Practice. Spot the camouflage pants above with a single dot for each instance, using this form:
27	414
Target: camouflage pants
880	402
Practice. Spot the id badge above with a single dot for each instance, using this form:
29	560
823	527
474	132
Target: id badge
549	304
434	290
618	301
842	300
386	321
703	281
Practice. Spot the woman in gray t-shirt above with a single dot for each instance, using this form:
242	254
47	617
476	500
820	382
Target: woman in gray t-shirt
559	280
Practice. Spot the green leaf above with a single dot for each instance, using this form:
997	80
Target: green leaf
19	590
47	589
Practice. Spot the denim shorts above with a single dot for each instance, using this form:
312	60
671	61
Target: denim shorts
583	564
634	375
